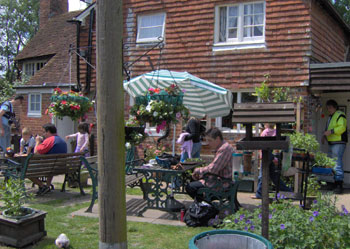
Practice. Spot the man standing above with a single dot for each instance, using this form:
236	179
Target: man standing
220	166
6	113
337	137
53	144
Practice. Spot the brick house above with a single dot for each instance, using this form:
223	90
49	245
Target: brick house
301	44
49	62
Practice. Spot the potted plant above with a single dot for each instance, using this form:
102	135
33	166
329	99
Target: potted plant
304	143
71	104
322	160
19	225
163	107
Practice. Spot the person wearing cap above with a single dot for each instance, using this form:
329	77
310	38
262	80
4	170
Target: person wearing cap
7	114
337	137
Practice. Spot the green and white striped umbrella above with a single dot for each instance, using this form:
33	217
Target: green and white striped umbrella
201	97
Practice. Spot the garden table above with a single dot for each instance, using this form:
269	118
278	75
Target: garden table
159	186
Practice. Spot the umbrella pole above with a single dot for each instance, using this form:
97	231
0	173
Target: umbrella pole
174	134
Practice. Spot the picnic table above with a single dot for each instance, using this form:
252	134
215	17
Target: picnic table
161	185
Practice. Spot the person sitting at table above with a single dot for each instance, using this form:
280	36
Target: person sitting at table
221	165
52	144
27	142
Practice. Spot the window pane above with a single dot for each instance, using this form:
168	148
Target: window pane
233	11
32	106
150	32
155	20
248	9
248	20
258	31
37	99
37	107
248	32
258	8
233	22
232	33
222	31
258	19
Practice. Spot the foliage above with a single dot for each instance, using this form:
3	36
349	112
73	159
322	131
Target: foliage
291	227
322	160
173	89
273	94
135	137
132	122
152	151
307	142
313	186
343	7
159	113
71	104
14	196
19	21
7	89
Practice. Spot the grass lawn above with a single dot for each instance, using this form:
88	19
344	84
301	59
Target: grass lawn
83	231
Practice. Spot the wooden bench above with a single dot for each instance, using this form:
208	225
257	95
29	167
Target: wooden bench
39	166
131	178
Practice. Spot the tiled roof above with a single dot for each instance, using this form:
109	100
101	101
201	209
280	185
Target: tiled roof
53	40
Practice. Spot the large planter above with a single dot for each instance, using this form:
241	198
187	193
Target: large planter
22	232
229	239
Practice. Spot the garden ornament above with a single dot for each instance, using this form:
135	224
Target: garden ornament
62	241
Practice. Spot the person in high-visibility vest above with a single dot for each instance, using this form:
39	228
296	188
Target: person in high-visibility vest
337	137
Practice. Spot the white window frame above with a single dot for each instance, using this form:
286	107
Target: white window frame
240	42
34	113
36	66
151	39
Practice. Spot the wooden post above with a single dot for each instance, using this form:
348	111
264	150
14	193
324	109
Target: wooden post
110	125
297	176
265	194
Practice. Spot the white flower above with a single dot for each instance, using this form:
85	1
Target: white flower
155	114
148	107
127	145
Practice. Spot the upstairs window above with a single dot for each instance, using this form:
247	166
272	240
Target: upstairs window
34	105
240	23
30	68
150	27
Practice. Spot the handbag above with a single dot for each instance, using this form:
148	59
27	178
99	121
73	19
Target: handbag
199	214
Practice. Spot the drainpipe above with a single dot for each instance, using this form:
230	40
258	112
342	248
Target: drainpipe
78	24
89	53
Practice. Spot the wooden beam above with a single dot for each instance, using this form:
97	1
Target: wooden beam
110	125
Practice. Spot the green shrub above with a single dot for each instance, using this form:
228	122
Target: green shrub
290	226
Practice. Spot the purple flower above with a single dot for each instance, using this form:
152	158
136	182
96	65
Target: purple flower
248	222
270	216
315	201
178	115
278	195
241	217
344	210
252	227
260	216
236	221
283	197
246	228
315	213
301	205
311	218
282	226
226	212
